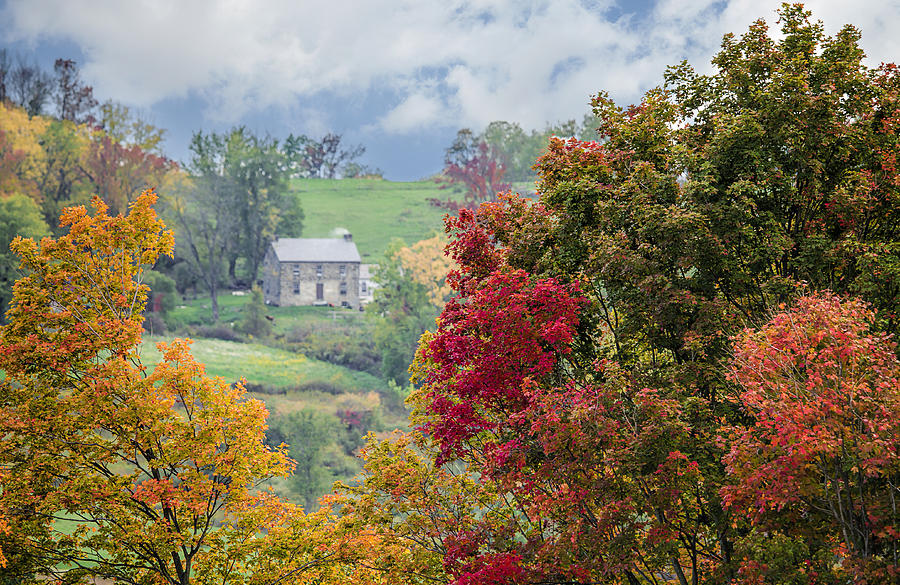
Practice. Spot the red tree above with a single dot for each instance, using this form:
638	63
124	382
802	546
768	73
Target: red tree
821	459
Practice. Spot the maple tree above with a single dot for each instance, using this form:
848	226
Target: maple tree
470	163
114	470
820	462
577	376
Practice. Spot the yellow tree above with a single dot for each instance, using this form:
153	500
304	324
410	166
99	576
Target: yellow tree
109	468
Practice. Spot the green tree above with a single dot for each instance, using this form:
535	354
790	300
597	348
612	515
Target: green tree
19	216
205	223
254	321
256	171
403	309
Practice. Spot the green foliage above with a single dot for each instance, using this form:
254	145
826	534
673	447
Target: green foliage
254	322
161	298
19	216
403	311
307	434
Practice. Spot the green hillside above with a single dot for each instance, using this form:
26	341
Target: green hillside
373	210
269	367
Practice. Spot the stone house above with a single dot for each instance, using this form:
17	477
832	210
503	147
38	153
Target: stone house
312	271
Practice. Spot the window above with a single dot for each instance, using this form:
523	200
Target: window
318	271
362	286
343	288
343	271
296	286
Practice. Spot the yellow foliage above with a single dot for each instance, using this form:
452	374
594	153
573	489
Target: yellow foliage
427	265
22	135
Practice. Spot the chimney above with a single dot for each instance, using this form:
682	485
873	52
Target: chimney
348	237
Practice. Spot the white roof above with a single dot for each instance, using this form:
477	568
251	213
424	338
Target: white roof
315	250
367	270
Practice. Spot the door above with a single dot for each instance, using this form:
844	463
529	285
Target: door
320	291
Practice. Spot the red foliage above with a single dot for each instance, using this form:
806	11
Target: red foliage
822	456
481	175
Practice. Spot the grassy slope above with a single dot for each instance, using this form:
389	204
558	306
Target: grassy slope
267	366
374	211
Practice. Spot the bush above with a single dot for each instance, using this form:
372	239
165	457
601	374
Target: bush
218	331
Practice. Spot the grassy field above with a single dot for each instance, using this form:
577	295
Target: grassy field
197	311
374	211
267	366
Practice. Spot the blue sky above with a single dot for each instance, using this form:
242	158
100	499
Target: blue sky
399	76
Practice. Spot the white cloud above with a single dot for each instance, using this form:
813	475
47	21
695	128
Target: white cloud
450	62
418	111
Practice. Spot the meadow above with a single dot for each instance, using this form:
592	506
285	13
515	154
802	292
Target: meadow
373	210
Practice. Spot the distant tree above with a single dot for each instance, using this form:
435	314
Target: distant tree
403	307
325	158
30	87
119	172
470	163
62	181
255	170
202	210
5	72
129	129
19	216
74	100
254	321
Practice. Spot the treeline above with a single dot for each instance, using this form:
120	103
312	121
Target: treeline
479	166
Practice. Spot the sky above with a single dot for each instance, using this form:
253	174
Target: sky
397	76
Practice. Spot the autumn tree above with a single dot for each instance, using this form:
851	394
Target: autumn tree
119	173
820	463
115	470
471	165
578	372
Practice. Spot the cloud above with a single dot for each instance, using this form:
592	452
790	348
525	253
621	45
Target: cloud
416	112
446	62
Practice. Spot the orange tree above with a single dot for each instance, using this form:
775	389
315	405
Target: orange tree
578	375
114	470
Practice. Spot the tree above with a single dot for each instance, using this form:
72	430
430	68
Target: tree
203	213
74	100
473	165
119	172
29	87
157	468
578	372
130	129
324	158
262	206
409	297
819	462
19	216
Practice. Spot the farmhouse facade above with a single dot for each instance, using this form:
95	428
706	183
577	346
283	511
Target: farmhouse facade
312	271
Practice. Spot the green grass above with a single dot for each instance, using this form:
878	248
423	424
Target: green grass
197	311
375	211
268	367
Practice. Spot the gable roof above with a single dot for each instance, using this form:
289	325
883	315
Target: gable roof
315	250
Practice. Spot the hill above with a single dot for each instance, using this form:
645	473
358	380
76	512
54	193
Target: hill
373	210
